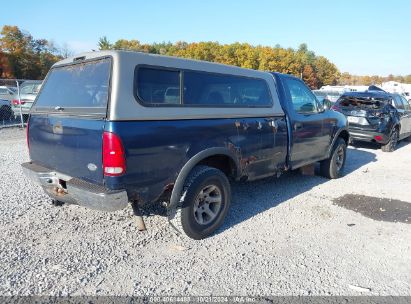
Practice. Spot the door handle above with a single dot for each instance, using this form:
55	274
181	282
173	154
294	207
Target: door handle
298	126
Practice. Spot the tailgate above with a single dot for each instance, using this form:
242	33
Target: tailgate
69	145
67	119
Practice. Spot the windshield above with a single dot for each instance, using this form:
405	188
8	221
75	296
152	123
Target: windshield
77	87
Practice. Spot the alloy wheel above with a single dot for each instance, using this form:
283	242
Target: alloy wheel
207	204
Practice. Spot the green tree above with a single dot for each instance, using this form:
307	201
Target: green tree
104	44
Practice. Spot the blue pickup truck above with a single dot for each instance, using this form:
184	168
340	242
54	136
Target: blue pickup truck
114	127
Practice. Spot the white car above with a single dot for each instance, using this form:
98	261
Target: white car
6	93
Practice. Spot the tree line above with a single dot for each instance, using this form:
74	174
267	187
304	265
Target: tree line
315	70
23	57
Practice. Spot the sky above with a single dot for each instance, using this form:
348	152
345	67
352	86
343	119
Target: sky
362	37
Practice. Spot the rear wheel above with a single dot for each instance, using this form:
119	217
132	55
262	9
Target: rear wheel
334	165
57	203
392	144
204	203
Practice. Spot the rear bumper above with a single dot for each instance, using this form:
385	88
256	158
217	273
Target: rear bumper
368	136
24	110
76	191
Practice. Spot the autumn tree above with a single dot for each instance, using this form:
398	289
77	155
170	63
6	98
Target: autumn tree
327	72
310	77
28	58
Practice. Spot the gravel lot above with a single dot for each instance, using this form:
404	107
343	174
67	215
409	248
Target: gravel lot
282	237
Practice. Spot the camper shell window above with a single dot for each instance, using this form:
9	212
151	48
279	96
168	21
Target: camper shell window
157	86
81	88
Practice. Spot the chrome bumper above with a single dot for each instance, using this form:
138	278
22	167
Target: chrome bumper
75	191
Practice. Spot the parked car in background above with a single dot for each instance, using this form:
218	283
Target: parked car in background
5	110
28	92
114	127
376	116
7	93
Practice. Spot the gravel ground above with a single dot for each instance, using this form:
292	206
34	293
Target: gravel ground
282	236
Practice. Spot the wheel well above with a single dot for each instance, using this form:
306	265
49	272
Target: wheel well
221	162
344	135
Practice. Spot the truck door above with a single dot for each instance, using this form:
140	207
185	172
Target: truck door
263	143
309	140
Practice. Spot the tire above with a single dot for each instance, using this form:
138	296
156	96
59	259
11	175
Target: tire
203	205
333	166
57	203
392	144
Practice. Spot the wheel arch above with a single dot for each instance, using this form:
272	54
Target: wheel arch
212	157
341	133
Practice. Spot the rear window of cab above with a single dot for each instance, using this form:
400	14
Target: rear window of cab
171	87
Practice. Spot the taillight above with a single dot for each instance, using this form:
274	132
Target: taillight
17	102
378	138
114	162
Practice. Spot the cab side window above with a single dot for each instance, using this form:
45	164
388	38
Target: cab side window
303	99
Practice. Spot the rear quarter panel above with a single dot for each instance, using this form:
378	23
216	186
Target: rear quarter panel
157	150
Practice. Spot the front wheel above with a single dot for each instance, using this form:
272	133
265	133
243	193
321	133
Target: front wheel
333	166
392	144
204	203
